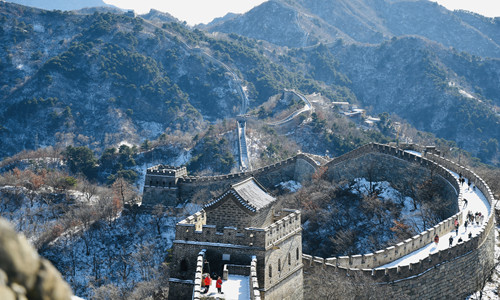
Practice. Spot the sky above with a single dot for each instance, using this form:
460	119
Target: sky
191	11
204	11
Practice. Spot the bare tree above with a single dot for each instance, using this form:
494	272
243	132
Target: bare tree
124	193
88	189
158	214
104	205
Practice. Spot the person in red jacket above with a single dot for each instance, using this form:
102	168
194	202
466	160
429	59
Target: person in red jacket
208	281
218	285
436	239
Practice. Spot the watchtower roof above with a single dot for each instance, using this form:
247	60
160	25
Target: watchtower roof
251	195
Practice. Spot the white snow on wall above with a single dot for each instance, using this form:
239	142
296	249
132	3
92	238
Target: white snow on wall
477	202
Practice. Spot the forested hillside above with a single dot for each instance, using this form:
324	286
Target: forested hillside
434	68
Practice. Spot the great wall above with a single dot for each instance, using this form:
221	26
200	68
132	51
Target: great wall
454	272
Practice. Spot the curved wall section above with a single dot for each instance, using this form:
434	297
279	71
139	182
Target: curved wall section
451	273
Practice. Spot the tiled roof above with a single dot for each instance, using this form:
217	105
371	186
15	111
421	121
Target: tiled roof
249	193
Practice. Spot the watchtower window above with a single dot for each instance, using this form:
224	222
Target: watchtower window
151	182
270	271
289	259
184	265
297	253
279	264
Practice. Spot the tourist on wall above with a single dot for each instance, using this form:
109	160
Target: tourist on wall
470	216
208	281
436	239
218	285
451	240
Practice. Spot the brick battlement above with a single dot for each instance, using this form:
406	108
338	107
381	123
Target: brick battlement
181	172
384	256
404	271
167	171
195	229
466	252
467	263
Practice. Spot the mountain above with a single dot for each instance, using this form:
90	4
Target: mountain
298	23
280	23
61	4
159	17
437	90
434	68
102	79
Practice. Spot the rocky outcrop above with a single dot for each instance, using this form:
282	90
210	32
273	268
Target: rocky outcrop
25	275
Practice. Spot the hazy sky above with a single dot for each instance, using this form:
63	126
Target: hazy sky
204	11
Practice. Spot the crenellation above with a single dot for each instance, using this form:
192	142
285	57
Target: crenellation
402	279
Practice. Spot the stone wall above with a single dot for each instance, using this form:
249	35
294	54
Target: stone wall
299	168
153	195
271	246
383	165
228	211
451	273
291	288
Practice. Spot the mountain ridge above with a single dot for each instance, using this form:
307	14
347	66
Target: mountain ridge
373	21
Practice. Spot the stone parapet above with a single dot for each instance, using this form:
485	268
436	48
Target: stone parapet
284	227
198	277
254	282
474	256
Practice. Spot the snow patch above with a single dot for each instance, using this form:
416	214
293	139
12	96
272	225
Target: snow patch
291	186
151	128
38	28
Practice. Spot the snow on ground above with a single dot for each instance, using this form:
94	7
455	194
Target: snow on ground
236	287
291	186
414	152
32	213
124	253
477	202
410	215
151	128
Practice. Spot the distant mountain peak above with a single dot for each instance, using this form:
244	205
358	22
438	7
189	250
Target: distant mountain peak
299	23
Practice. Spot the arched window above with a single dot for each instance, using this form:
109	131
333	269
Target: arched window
279	264
297	253
270	271
289	259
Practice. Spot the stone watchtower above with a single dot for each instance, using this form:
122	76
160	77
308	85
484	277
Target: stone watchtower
160	185
240	233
